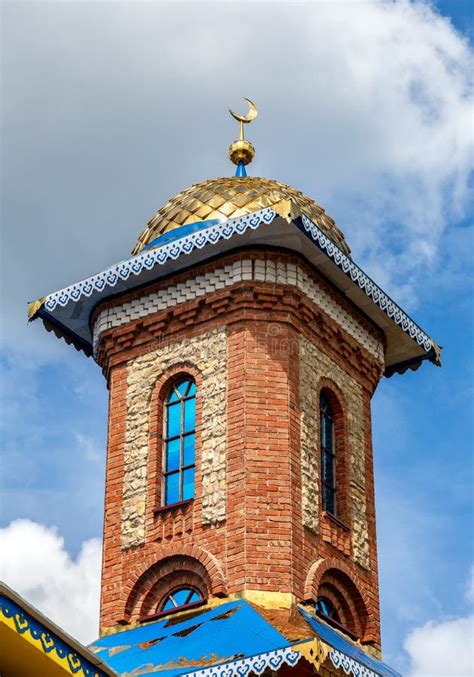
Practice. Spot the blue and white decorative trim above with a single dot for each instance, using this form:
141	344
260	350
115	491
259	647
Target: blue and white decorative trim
212	234
349	665
159	256
367	285
256	664
275	659
47	641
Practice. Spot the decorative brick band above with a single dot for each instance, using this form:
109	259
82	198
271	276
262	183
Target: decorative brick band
268	271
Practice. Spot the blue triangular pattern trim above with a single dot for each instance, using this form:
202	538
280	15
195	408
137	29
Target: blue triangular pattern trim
253	664
275	659
159	256
46	640
225	230
368	286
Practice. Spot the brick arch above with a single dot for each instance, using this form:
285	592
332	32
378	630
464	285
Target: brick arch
167	376
152	601
325	383
337	581
319	567
190	559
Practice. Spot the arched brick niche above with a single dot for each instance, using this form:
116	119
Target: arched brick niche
173	574
153	580
336	582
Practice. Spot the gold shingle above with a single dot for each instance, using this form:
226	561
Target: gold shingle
216	201
231	197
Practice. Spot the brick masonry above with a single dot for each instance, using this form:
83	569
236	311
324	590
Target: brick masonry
258	270
260	350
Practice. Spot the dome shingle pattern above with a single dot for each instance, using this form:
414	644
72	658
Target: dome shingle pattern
231	197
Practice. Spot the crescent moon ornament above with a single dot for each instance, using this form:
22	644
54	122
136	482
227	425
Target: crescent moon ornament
251	115
241	152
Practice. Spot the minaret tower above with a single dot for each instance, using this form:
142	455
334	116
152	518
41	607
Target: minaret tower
241	346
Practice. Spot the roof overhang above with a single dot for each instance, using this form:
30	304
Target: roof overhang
67	312
32	644
216	642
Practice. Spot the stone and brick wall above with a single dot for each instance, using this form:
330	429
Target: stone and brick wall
317	371
206	354
262	339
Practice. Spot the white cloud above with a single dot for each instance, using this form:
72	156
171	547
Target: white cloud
35	563
444	648
364	106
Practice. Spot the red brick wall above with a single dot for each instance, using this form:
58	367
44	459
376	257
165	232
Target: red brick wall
262	545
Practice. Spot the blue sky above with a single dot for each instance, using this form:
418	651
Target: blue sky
109	109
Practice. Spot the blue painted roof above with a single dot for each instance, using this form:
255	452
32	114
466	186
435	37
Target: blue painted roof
172	646
180	232
346	647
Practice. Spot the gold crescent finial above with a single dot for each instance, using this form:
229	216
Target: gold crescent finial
242	152
251	115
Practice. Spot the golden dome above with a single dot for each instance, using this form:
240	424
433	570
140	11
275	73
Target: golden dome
231	197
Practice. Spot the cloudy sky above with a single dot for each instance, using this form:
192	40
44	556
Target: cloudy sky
108	109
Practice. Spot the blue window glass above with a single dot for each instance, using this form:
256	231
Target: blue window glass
180	442
172	488
182	388
327	608
179	598
174	420
188	483
174	397
172	457
189	415
168	604
328	460
189	445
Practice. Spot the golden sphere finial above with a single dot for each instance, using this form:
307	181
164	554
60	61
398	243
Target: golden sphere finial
241	152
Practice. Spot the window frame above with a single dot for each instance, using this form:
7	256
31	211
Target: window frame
181	436
145	618
169	595
328	453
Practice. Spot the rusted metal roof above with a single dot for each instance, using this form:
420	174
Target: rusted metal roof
229	632
233	639
346	653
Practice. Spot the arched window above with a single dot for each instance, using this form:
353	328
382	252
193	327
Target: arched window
180	442
181	597
328	469
340	603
